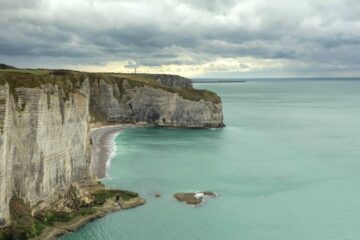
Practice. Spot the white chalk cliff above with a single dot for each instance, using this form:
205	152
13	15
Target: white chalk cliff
46	116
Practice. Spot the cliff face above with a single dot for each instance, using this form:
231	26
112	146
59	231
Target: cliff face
43	143
173	81
126	101
45	117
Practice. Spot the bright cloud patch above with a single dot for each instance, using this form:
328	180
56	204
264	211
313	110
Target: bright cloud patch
194	70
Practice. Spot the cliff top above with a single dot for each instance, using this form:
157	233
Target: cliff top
72	80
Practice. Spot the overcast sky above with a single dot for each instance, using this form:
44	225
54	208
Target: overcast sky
195	38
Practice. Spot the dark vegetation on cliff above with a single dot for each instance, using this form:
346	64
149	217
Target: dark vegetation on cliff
24	225
71	81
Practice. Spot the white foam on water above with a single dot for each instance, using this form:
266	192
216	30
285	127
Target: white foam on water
199	195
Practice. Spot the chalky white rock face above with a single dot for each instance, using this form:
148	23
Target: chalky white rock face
174	81
44	144
44	130
152	105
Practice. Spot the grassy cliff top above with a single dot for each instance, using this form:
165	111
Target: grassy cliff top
72	80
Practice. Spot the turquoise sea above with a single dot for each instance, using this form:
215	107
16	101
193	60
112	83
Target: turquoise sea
286	167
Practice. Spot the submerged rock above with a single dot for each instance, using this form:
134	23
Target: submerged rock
157	195
194	198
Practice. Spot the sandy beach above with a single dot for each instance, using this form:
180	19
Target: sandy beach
103	147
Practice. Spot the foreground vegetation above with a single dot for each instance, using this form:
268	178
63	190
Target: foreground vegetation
24	225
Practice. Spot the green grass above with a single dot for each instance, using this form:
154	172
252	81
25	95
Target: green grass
36	229
38	72
143	78
72	80
23	225
149	80
6	234
19	78
49	217
102	195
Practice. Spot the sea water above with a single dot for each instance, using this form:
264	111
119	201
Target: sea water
286	167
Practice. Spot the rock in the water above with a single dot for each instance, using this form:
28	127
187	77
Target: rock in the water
133	202
194	198
157	194
189	198
209	194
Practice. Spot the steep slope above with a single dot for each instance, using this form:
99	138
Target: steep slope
128	100
45	118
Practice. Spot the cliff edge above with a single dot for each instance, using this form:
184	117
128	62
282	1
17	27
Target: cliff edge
46	117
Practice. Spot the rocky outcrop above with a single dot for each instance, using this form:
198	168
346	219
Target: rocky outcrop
174	81
46	116
86	201
194	198
132	203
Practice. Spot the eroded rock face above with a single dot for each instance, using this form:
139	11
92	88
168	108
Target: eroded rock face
43	144
45	121
194	198
174	81
128	103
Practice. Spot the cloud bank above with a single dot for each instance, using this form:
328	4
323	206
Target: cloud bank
193	38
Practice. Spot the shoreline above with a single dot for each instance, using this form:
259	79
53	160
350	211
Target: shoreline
60	229
110	205
103	147
103	150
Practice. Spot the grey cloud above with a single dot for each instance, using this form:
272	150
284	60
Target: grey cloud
155	33
212	5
